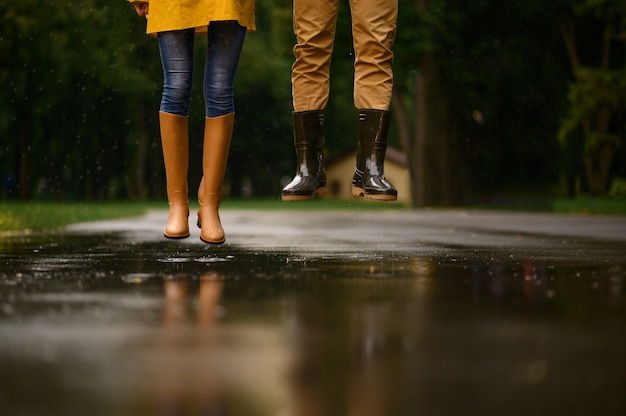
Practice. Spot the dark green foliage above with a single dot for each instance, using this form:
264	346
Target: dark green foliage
79	77
81	86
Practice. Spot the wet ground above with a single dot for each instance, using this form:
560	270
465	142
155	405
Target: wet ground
318	313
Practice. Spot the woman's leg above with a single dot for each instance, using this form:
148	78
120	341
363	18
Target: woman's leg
176	50
225	41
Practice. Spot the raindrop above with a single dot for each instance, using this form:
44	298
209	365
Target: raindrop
174	260
208	259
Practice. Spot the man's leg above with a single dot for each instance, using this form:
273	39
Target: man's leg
373	32
314	24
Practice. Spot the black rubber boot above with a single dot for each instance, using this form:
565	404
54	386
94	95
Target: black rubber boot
369	177
310	179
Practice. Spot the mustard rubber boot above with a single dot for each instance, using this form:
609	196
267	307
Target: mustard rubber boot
218	133
175	143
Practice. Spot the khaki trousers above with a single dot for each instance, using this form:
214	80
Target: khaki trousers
373	33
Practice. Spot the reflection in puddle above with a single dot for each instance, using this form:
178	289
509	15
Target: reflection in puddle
175	260
149	330
180	368
137	277
209	259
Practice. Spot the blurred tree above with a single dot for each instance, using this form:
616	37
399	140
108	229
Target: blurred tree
480	92
594	34
478	96
75	76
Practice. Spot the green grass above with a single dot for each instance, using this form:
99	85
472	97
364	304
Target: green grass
578	206
33	216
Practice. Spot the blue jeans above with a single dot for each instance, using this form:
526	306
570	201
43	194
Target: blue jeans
225	41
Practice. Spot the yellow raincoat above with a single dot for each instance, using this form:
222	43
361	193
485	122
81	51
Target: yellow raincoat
165	15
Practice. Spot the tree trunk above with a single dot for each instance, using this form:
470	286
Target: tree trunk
142	147
23	180
597	166
419	144
404	131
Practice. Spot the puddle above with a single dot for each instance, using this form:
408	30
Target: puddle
101	326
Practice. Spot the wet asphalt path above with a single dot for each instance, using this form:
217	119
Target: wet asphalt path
565	237
318	313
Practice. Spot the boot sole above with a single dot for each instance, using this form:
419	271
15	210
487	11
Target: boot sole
360	193
318	193
381	197
175	237
216	243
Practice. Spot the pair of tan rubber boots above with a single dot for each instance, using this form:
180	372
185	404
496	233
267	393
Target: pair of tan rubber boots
175	141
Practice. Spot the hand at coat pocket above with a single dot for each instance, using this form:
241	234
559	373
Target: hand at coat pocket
141	7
